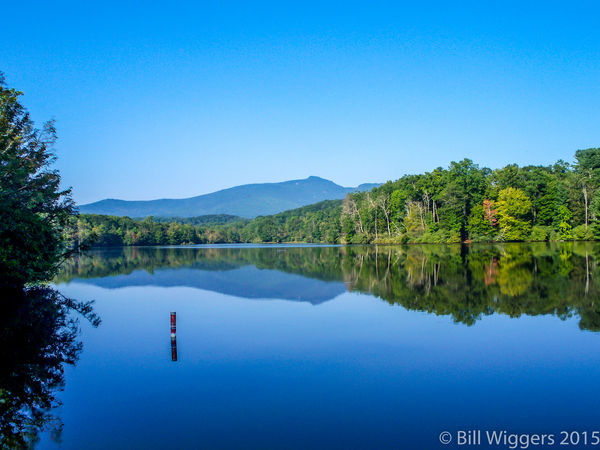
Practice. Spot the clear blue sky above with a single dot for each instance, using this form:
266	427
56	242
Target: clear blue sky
170	99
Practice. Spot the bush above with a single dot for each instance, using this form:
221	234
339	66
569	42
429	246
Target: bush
453	237
439	237
595	226
554	236
540	233
436	237
385	240
582	233
359	238
481	238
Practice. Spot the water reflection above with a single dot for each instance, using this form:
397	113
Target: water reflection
39	336
173	336
466	282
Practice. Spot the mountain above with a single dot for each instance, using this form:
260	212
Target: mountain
248	200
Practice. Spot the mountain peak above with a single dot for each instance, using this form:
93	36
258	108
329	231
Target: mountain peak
249	200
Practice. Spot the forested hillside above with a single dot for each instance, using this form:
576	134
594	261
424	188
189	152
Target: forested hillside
314	223
459	204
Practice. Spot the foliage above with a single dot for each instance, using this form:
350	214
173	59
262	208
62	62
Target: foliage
508	204
564	222
513	209
483	221
540	233
582	233
209	219
314	223
33	209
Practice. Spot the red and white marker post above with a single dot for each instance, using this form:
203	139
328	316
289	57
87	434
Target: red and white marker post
173	336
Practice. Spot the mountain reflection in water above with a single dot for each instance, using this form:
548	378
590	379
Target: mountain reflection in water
466	282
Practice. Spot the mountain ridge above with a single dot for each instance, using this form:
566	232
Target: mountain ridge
248	200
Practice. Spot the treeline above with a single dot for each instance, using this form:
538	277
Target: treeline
469	203
209	219
314	223
463	203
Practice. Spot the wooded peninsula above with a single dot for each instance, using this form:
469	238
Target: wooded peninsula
463	203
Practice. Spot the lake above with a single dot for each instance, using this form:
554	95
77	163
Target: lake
330	347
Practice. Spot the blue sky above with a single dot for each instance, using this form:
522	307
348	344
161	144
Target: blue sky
157	100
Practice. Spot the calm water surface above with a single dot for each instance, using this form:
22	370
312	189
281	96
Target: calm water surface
331	347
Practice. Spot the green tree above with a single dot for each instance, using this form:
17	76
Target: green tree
34	211
483	220
587	176
513	208
267	230
414	221
466	187
564	222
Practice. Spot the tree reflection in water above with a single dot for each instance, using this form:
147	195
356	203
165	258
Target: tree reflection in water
39	334
466	282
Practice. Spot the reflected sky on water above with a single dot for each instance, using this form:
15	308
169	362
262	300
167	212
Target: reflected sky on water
331	347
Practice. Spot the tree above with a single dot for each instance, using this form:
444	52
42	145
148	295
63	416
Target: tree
564	217
373	205
587	175
513	208
351	210
414	221
467	186
483	220
539	185
267	230
34	211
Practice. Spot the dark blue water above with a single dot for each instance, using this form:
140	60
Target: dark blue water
331	348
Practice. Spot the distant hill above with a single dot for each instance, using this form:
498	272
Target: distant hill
248	200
